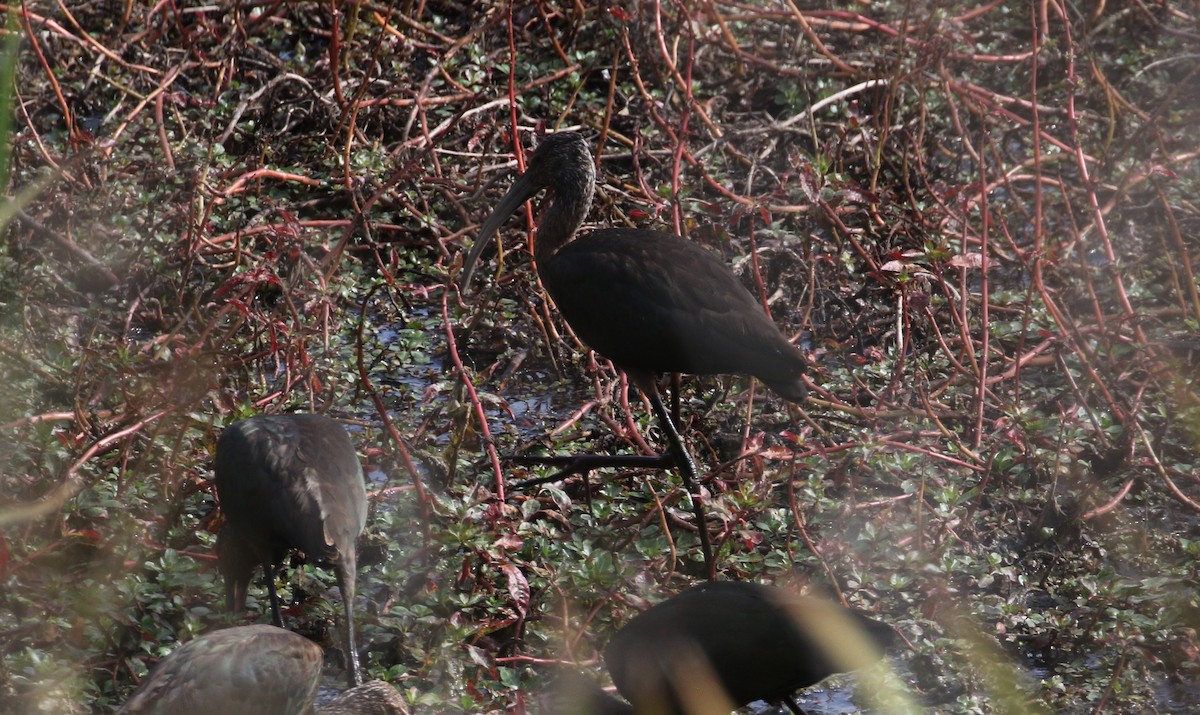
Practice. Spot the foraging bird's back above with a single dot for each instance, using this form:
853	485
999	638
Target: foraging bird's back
374	697
290	482
249	670
757	642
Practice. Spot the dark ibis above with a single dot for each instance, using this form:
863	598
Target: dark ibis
251	670
723	644
650	302
290	482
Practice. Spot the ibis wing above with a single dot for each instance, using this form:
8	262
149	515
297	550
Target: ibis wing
660	303
292	479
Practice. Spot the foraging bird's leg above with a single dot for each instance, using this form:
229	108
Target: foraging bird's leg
269	572
790	702
687	468
676	456
675	398
346	578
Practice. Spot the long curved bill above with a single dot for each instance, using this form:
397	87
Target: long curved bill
522	190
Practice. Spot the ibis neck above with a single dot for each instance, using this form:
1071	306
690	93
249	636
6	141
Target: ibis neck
569	206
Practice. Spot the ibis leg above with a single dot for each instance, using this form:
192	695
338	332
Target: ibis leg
235	594
346	578
276	614
675	398
691	478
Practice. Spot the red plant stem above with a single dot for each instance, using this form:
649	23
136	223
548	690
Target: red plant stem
798	520
162	133
1089	187
381	409
68	116
985	332
1037	255
476	405
71	484
335	51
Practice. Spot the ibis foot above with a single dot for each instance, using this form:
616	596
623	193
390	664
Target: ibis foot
687	468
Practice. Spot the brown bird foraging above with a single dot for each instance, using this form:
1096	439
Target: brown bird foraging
251	670
290	482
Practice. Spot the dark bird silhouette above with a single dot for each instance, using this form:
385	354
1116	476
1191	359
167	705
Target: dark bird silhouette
251	670
721	645
648	301
289	482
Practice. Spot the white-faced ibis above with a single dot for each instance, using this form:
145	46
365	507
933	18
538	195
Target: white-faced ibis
721	645
251	670
648	301
289	482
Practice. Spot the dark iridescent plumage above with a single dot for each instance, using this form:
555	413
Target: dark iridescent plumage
649	301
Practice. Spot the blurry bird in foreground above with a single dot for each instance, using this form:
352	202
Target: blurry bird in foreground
251	670
721	645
